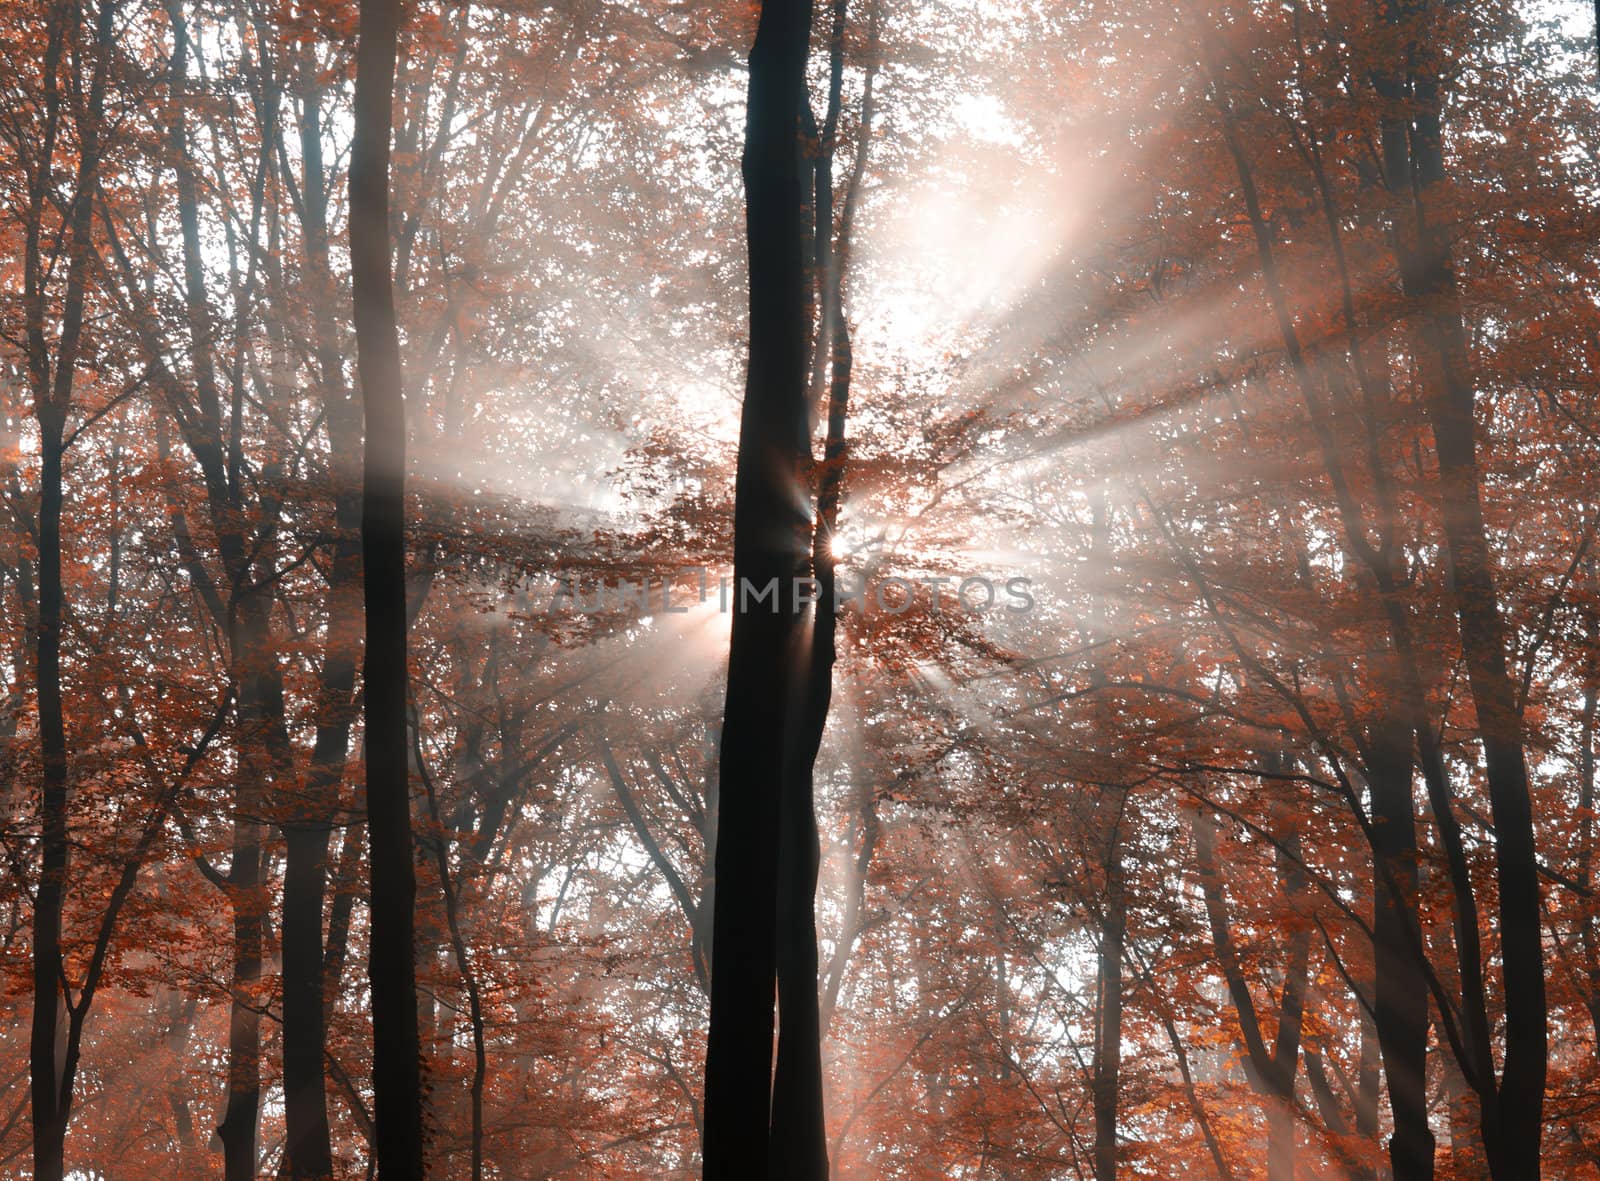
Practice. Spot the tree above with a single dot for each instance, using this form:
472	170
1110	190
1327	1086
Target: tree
1259	340
397	1050
761	830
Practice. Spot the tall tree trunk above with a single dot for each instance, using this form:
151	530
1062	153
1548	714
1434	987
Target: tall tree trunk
1400	983
308	823
764	647
51	387
267	760
267	756
391	970
1513	1109
798	1147
832	369
307	1147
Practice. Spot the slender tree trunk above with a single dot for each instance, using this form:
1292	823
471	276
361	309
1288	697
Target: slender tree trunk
832	369
309	821
1107	1072
49	1114
267	755
1271	1070
247	897
764	647
798	1148
346	889
52	388
391	970
267	760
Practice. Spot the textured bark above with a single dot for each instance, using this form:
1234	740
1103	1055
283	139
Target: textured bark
391	970
769	544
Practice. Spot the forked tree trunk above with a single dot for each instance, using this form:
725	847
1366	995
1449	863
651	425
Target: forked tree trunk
1271	1070
1512	1106
770	547
51	387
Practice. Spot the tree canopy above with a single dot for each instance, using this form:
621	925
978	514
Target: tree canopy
1169	747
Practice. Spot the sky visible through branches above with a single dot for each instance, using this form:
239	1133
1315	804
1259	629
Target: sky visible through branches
1157	445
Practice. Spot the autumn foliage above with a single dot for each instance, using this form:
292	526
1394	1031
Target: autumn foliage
1257	342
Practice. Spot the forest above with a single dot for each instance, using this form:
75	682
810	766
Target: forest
886	590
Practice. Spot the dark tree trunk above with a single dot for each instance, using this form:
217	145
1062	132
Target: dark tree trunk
49	1114
307	1150
764	647
237	1130
1513	1108
798	1148
1401	991
391	970
51	389
261	710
